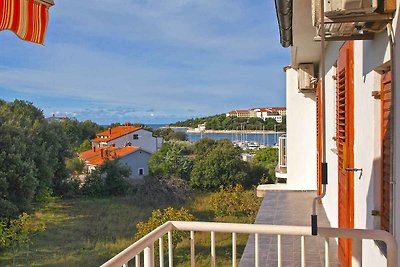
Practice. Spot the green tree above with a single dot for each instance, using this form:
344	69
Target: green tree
86	145
16	234
170	161
266	158
159	217
110	179
220	166
75	165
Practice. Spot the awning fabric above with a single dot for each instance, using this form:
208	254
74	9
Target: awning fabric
26	18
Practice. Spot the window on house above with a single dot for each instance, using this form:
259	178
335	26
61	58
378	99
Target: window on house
135	136
141	171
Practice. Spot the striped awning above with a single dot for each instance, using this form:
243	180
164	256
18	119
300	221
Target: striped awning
26	18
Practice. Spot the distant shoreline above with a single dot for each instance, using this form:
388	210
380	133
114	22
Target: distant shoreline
192	130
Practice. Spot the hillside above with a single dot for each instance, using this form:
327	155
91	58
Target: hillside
221	122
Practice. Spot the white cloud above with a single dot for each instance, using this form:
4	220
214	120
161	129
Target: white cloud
173	56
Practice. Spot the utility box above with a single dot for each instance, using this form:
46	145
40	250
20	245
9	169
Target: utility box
306	79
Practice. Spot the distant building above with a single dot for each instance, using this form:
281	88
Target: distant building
127	135
241	113
133	157
56	119
275	113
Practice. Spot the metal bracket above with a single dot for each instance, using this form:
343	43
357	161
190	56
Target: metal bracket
355	170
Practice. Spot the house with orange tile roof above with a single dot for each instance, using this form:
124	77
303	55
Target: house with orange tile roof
124	135
132	156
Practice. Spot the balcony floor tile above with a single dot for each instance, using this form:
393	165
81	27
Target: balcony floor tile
289	208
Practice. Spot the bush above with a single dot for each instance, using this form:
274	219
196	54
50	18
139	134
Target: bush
159	217
108	180
16	234
75	165
235	201
161	191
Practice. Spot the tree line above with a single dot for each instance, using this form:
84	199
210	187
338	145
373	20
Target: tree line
222	122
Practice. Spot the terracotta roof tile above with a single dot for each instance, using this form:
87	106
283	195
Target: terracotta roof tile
114	133
101	155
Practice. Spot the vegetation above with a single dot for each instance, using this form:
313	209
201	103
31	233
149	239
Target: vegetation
168	134
170	161
110	179
16	234
221	122
234	201
159	217
31	157
217	163
266	160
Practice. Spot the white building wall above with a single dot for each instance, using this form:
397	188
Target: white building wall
368	56
301	136
145	140
135	161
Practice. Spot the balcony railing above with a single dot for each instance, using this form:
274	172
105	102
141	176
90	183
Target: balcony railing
146	244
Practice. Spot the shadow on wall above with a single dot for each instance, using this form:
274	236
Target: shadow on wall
373	201
374	52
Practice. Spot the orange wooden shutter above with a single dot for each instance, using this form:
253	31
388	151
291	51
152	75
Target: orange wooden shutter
319	138
345	142
386	152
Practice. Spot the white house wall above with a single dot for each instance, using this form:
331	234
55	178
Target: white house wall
301	136
146	140
368	56
135	161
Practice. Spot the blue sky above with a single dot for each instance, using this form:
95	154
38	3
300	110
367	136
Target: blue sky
148	61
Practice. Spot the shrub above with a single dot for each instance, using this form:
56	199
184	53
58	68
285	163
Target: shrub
108	180
16	234
159	217
235	201
75	165
161	191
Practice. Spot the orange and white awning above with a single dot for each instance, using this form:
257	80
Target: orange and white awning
26	18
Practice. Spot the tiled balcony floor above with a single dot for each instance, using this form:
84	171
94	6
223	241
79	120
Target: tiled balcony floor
289	208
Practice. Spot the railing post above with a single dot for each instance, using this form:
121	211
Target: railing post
233	249
170	250
212	248
357	252
326	252
303	254
279	251
192	250
137	260
149	256
161	251
256	251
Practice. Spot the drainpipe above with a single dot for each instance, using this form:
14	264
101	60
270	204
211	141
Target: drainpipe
324	165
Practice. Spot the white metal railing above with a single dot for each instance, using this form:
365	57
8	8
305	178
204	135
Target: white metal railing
146	244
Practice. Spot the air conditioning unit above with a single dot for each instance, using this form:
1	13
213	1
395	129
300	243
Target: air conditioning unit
346	7
352	19
306	79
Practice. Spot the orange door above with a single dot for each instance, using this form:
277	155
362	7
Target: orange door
387	141
345	141
319	138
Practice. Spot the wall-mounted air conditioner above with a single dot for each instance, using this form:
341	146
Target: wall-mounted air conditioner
345	7
306	79
352	19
